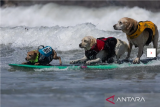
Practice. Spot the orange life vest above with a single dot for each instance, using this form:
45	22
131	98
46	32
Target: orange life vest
141	27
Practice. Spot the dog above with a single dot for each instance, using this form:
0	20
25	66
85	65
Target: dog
138	34
101	49
42	56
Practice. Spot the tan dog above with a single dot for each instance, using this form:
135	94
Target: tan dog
138	34
89	42
33	57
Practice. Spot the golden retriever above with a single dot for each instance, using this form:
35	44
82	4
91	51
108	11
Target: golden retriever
88	42
142	38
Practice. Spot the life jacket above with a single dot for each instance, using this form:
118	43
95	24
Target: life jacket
45	56
107	44
144	25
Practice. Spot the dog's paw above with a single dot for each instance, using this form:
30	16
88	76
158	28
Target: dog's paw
126	59
88	62
136	61
24	63
118	62
73	62
110	60
36	64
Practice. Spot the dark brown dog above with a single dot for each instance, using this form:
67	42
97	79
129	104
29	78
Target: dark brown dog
32	58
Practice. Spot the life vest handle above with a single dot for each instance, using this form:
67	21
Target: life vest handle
40	47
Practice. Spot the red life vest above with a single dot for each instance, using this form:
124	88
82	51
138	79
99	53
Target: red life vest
100	45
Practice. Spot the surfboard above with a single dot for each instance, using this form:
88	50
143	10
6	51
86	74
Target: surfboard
112	66
97	66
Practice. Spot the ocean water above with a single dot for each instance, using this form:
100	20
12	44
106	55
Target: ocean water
23	29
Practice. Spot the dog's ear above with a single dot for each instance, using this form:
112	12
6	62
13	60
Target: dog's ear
35	54
93	41
130	25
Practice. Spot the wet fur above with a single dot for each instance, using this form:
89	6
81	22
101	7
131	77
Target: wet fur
89	41
33	54
126	24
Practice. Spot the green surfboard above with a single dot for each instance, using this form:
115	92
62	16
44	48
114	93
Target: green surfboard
112	66
100	66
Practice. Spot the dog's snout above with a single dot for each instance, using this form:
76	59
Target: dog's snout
80	45
114	26
26	59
